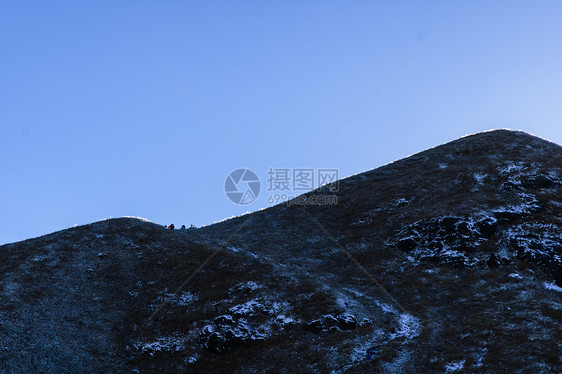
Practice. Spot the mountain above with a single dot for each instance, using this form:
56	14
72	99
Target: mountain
449	260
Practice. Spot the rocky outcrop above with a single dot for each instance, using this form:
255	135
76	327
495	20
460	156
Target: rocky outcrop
329	322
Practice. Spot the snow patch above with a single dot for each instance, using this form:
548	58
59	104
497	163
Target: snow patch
139	218
385	307
166	344
552	286
251	307
401	201
246	286
355	292
479	177
282	319
409	327
454	366
248	308
185	298
511	167
480	358
344	301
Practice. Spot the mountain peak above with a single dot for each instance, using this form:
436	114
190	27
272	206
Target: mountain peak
448	257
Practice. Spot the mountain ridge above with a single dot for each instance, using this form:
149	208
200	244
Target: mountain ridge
380	281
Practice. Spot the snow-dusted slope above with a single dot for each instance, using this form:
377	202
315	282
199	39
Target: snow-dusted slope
444	261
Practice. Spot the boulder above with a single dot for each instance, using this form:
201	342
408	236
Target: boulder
539	181
493	261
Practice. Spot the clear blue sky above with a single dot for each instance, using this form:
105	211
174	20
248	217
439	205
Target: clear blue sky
91	127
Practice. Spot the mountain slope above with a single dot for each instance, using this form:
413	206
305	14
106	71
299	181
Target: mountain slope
444	260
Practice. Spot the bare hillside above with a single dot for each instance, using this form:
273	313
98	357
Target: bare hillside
448	260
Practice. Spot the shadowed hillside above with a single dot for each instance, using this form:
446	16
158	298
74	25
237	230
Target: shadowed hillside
450	259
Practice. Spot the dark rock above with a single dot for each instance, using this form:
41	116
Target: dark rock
509	216
462	228
374	352
509	186
455	261
215	342
346	321
330	321
343	321
231	339
227	338
493	261
466	246
487	227
224	320
539	181
433	236
406	244
557	275
314	326
449	224
543	251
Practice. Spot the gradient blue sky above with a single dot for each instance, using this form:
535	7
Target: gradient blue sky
91	127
